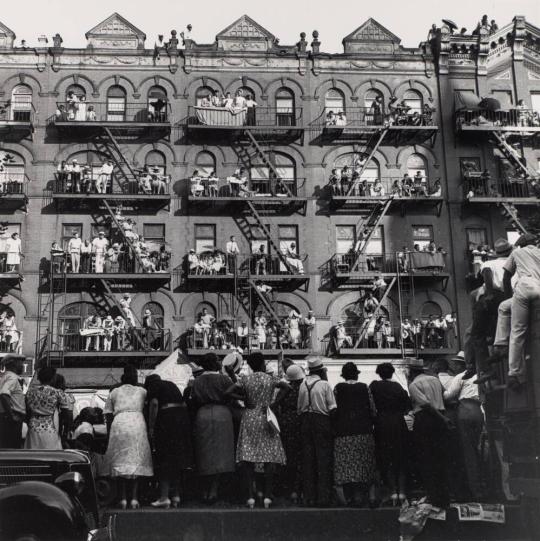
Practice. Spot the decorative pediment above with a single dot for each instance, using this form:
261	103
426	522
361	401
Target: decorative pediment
115	32
371	37
7	37
245	35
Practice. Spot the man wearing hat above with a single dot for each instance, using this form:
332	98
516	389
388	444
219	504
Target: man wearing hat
105	174
125	303
430	432
99	249
525	263
12	405
316	403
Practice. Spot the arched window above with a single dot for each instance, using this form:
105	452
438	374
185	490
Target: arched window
90	160
205	163
430	308
334	101
157	311
246	91
203	92
21	103
370	96
285	113
371	171
286	169
413	99
71	317
417	164
372	116
198	311
116	104
11	171
78	90
156	159
157	104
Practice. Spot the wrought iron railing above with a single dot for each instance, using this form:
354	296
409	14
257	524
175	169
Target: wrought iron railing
10	269
16	112
507	118
13	183
478	185
355	117
401	187
205	188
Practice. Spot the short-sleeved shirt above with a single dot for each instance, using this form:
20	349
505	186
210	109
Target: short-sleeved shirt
497	269
44	400
426	390
316	396
524	262
461	389
10	386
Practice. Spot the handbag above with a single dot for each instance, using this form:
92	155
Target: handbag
272	421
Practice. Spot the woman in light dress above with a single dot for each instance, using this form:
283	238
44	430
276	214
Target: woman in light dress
13	249
128	452
293	324
80	115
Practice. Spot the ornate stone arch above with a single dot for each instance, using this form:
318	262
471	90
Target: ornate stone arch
165	148
293	152
414	84
25	152
337	305
203	81
15	302
75	79
157	80
414	306
284	82
118	80
162	297
333	153
425	152
301	304
21	79
188	306
245	81
375	84
340	84
217	151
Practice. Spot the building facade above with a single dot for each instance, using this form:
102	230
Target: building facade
325	240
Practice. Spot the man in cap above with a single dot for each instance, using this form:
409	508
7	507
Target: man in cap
316	403
430	432
12	405
525	263
99	249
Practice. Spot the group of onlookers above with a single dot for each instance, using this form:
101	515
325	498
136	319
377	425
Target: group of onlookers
241	102
10	336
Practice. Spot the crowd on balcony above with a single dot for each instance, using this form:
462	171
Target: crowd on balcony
480	184
120	333
99	255
348	181
240	103
10	336
292	332
519	116
350	444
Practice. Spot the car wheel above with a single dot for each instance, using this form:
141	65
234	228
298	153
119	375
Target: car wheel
106	491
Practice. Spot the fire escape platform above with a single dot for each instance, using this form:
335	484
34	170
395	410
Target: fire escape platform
267	353
275	204
395	135
116	276
511	200
128	128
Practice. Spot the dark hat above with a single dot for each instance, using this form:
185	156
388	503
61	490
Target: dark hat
416	364
502	247
526	239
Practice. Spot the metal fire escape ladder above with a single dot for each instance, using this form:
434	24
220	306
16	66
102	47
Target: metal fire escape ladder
368	227
368	321
266	232
379	136
266	304
273	171
510	154
510	212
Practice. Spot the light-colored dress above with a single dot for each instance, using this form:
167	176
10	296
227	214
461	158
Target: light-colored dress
13	249
128	453
42	402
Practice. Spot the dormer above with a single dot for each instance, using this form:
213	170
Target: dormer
7	37
245	35
115	32
373	38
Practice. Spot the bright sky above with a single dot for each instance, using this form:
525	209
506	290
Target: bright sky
408	19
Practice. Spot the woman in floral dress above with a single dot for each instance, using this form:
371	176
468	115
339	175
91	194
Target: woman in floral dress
42	401
128	452
257	444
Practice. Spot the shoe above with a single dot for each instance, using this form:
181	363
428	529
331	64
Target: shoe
251	503
160	504
267	502
175	501
134	504
122	504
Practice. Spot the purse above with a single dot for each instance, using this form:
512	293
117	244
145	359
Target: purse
272	421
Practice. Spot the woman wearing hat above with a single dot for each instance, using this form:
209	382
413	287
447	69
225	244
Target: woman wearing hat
354	446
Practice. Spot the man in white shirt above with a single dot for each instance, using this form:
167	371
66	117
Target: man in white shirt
74	250
242	334
208	319
232	250
104	177
76	176
99	249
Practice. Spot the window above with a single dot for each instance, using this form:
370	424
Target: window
21	103
154	159
285	167
68	231
205	163
6	230
157	104
370	97
287	235
12	166
154	235
469	165
476	237
71	317
504	97
535	101
413	99
422	235
285	107
157	311
205	237
415	164
345	238
375	246
371	171
429	309
92	160
116	104
78	90
203	92
96	228
334	101
246	91
258	239
512	235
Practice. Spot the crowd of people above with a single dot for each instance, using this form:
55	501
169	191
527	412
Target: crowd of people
242	432
292	332
519	116
242	102
10	336
83	179
399	113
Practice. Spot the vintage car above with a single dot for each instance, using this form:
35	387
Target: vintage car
49	496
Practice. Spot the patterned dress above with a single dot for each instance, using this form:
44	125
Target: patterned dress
128	453
255	442
42	401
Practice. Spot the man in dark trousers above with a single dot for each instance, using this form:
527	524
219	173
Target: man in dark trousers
12	404
430	432
316	403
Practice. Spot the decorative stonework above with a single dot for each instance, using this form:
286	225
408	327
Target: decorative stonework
115	32
245	35
7	37
371	37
